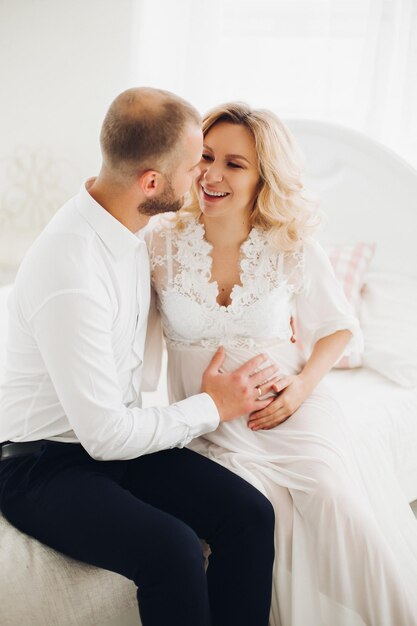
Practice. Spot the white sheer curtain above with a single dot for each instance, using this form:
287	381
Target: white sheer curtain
347	61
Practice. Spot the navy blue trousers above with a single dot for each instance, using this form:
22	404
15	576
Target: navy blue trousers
143	518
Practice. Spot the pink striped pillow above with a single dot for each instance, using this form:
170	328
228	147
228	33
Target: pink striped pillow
350	263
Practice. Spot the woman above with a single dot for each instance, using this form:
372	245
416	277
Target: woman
232	269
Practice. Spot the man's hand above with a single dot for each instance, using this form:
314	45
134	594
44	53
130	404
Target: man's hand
292	391
238	392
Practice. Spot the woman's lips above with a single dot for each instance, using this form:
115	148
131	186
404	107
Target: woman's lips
210	198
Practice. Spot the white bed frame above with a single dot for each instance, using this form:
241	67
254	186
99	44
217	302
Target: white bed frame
368	193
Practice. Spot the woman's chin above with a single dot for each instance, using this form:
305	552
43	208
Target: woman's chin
210	210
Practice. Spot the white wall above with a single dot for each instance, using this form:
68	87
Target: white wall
61	64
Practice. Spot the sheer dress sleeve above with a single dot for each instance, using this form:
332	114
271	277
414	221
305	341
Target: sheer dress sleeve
321	307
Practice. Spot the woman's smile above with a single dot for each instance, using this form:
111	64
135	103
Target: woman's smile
213	195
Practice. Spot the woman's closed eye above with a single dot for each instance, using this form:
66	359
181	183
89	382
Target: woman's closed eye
208	157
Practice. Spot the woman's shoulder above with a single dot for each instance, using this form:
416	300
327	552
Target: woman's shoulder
305	248
295	264
313	250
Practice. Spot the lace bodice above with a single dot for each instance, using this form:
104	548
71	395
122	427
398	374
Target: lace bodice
260	308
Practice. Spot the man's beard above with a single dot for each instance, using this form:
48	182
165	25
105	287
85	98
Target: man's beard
164	203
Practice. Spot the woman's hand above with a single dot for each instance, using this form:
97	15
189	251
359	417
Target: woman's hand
292	390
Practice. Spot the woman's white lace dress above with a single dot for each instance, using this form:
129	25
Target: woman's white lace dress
346	539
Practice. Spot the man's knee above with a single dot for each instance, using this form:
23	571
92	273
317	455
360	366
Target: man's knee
260	512
249	509
172	549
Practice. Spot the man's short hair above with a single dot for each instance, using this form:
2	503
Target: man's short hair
143	129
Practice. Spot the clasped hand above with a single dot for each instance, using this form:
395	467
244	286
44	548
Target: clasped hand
292	391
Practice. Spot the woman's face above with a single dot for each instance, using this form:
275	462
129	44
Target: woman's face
229	173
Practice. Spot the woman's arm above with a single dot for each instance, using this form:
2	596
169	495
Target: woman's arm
326	353
293	390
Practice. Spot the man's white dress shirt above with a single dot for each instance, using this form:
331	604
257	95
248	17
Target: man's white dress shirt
77	326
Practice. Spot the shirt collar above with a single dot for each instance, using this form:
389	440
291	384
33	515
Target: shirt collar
118	239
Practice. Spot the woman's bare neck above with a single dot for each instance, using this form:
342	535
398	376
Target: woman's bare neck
225	231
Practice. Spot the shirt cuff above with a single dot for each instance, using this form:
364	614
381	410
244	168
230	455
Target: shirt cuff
201	415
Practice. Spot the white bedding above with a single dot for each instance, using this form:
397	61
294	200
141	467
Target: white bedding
383	413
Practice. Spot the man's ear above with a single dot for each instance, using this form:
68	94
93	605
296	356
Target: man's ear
150	183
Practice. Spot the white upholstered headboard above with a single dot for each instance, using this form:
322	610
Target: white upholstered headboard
367	192
33	185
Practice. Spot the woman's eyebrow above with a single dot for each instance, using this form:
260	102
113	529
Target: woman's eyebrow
237	156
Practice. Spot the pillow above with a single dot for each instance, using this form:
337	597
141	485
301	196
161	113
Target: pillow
350	263
388	320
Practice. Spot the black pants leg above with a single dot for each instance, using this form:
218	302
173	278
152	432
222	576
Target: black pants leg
142	519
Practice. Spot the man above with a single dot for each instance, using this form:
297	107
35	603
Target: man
84	469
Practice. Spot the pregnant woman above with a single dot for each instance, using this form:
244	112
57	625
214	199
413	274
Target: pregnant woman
232	269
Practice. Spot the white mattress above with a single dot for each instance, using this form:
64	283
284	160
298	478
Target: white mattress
386	414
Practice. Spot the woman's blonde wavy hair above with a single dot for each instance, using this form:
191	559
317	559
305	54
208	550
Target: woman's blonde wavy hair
283	207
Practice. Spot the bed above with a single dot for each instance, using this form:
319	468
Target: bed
368	194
